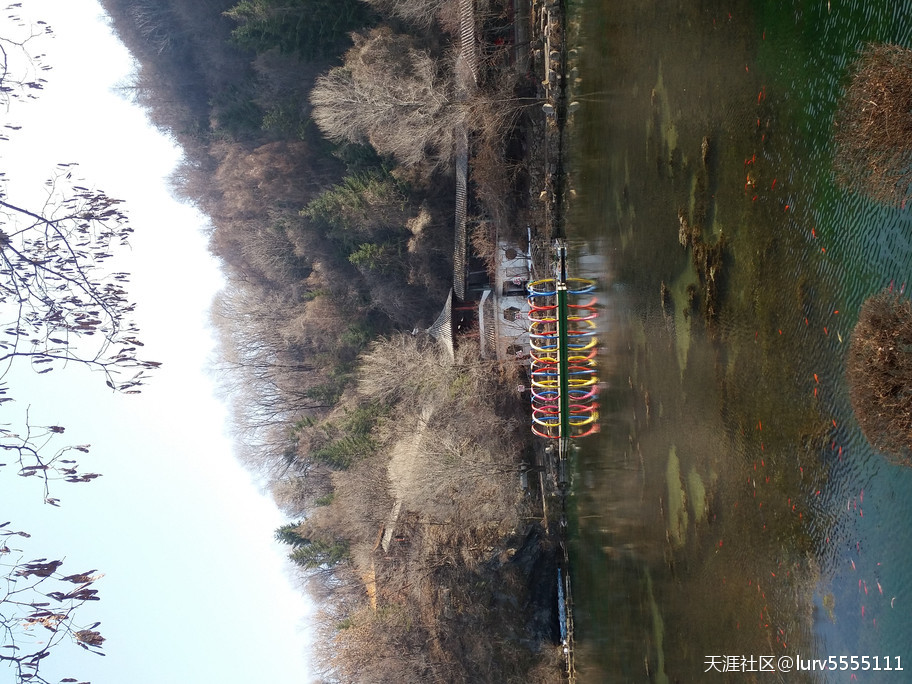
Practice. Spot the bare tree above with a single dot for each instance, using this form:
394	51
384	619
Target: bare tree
422	13
20	72
59	306
38	610
37	455
265	375
393	95
873	125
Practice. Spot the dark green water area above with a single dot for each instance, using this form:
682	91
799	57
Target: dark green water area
730	505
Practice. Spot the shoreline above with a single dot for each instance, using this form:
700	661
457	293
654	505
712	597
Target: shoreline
548	145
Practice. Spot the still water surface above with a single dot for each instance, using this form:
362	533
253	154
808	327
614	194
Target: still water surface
730	506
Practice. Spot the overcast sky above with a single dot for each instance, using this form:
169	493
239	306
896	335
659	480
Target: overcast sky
195	590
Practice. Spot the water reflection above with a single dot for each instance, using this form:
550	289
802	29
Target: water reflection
730	505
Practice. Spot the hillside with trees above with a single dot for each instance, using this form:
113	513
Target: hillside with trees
319	138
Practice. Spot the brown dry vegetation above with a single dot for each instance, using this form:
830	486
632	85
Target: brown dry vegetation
879	371
442	541
394	95
873	125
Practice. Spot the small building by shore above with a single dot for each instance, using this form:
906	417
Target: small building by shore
503	308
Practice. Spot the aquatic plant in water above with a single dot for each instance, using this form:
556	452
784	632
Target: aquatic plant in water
873	125
879	371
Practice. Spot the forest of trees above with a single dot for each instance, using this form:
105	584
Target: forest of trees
319	138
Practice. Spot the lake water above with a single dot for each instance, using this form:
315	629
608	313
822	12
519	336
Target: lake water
730	505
